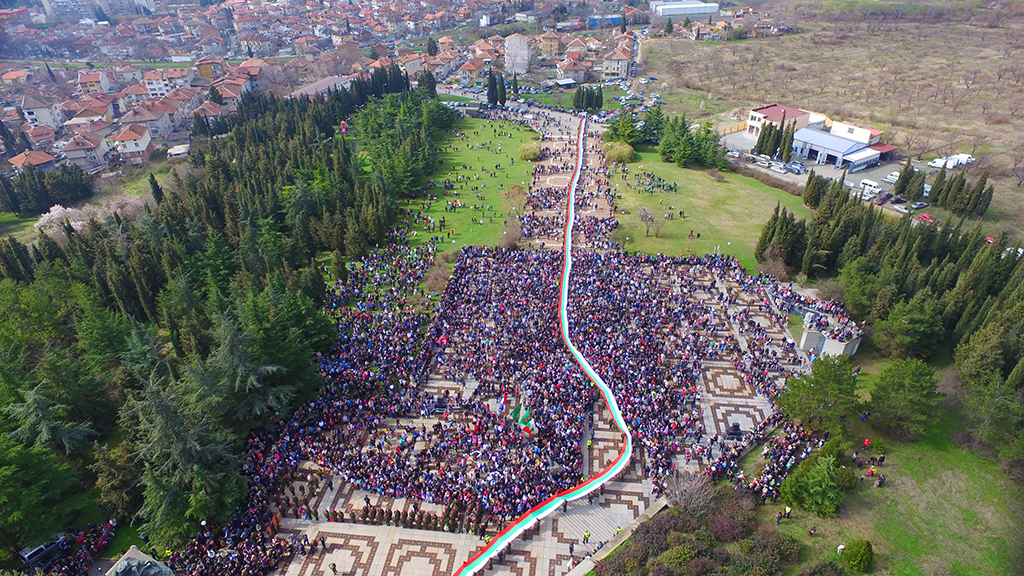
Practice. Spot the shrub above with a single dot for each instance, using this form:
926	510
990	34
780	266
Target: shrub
830	568
858	555
715	175
675	558
846	479
699	566
836	447
704	535
529	151
781	544
619	152
725	529
878	446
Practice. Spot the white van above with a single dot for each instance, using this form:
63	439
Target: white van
865	184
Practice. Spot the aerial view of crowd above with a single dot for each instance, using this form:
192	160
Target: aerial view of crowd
377	425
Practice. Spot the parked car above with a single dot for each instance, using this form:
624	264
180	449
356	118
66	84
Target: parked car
867	195
926	218
903	209
898	200
919	205
796	168
779	169
883	198
891	178
763	164
734	153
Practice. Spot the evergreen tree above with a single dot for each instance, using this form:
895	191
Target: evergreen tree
155	189
215	96
787	142
432	48
502	95
905	397
825	395
515	84
903	182
668	27
492	88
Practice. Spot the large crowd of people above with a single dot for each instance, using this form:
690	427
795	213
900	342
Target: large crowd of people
377	425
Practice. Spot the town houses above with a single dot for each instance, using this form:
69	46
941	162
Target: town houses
148	78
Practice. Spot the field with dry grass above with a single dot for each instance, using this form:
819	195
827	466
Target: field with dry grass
937	87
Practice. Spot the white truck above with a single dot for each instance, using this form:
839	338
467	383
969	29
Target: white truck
952	161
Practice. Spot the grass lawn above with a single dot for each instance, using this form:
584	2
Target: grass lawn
136	182
728	215
468	152
21	227
454	98
944	510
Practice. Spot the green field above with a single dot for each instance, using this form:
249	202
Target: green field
487	231
943	510
728	215
21	227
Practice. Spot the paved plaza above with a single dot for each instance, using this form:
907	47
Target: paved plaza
726	397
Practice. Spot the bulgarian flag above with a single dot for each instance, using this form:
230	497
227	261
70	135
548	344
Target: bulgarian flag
521	414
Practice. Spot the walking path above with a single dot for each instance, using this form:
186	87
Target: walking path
613	491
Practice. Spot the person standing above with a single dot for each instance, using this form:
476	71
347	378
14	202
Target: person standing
586	537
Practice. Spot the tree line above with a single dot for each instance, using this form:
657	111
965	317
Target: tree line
920	287
589	99
136	356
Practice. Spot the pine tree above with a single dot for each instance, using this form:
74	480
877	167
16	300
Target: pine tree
215	96
432	48
155	189
787	142
492	88
502	96
515	84
668	27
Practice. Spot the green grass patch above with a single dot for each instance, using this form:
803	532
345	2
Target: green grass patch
454	98
796	326
943	510
728	215
492	191
21	227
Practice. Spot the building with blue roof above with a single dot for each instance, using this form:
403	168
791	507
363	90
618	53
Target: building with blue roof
825	148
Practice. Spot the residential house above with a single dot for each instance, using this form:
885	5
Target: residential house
86	150
94	82
209	111
157	120
472	72
517	54
775	114
572	70
40	160
42	111
133	143
40	136
17	77
616	64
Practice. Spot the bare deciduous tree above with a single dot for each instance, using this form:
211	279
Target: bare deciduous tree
694	493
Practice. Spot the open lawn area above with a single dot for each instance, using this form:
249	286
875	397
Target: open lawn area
493	199
563	98
21	227
943	510
728	215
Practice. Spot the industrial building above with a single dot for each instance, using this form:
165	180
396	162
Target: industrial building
685	9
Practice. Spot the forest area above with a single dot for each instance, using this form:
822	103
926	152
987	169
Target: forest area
136	357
